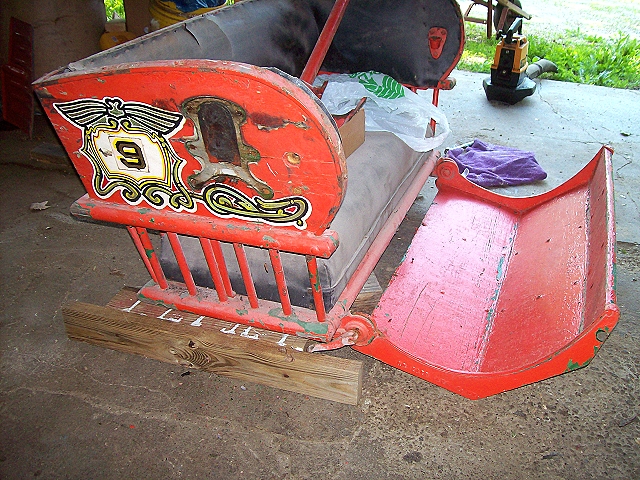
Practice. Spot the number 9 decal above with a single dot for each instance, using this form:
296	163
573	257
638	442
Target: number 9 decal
131	155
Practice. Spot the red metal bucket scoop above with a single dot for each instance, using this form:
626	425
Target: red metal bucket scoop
497	292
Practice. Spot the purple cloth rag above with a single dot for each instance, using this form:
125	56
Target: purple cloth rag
497	166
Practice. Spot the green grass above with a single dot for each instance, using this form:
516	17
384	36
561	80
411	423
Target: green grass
114	6
580	58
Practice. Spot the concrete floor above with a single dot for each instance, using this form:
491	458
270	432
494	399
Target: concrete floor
71	410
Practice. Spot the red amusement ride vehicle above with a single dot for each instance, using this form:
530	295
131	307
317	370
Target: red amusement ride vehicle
210	133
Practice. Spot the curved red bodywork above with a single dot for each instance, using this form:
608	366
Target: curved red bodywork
497	292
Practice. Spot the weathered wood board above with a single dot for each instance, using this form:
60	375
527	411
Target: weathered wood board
238	351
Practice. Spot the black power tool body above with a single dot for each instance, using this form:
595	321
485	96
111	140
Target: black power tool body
511	75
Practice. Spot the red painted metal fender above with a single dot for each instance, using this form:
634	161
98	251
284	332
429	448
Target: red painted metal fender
497	292
218	140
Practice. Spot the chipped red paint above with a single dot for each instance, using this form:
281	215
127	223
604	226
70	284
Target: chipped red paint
269	315
319	176
497	292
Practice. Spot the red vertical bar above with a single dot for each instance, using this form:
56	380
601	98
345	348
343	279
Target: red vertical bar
182	262
150	254
281	282
324	41
143	255
436	97
434	100
316	288
213	268
246	274
222	266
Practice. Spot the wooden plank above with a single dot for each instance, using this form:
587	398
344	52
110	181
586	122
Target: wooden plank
203	346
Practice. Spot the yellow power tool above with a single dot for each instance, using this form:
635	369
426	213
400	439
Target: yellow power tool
511	75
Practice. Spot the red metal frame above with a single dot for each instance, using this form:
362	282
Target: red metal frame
214	268
315	324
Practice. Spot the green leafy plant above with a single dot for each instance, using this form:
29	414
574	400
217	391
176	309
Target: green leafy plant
478	50
112	6
580	58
